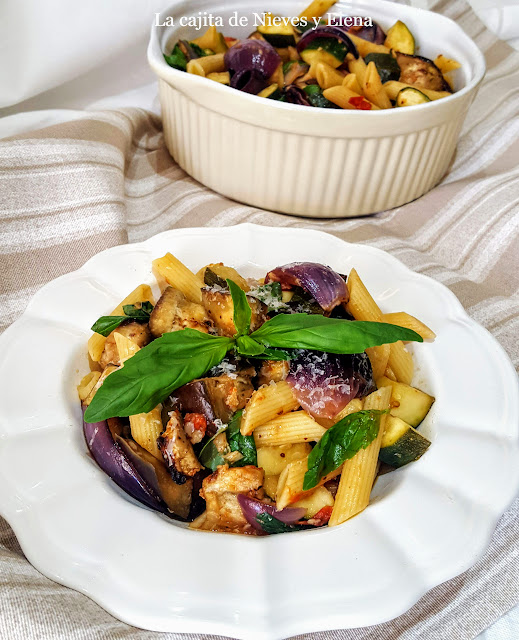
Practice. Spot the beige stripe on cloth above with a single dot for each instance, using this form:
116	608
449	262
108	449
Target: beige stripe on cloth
74	189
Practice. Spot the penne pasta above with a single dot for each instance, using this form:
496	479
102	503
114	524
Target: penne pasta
358	473
223	77
179	276
290	483
290	428
352	406
373	89
378	357
403	319
317	9
351	82
393	87
87	383
401	362
96	342
361	305
206	65
327	76
108	370
267	403
146	428
389	373
358	67
345	98
226	273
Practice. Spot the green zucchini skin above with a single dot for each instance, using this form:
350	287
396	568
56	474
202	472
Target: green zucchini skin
410	97
387	66
406	445
332	47
279	36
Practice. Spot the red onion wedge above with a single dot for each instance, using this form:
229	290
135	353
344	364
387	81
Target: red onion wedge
252	508
115	463
327	31
322	283
373	34
250	64
324	383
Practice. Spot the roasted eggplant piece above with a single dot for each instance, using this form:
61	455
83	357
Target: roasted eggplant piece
217	399
174	312
136	471
220	309
135	331
177	450
421	72
293	70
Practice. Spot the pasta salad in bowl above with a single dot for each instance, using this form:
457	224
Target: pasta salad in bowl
338	62
253	406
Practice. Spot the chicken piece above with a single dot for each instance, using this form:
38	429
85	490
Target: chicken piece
220	491
421	72
273	371
174	312
220	309
135	331
177	451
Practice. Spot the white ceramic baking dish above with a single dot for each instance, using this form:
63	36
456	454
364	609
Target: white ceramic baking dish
307	161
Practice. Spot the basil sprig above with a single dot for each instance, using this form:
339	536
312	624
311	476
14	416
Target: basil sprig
155	371
341	442
272	525
106	324
211	458
181	356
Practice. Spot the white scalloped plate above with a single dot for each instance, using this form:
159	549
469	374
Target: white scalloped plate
427	523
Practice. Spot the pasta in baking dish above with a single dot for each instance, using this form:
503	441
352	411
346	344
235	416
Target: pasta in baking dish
334	62
253	406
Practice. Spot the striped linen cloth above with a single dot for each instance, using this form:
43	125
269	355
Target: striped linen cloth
72	190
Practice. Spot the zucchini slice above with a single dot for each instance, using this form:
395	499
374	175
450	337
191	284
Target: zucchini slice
400	38
277	35
316	98
409	97
401	444
421	72
328	50
407	403
387	66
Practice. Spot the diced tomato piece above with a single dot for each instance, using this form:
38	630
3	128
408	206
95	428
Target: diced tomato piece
360	103
323	515
197	420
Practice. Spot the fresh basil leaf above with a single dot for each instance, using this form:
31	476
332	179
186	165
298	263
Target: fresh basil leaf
209	456
242	311
274	354
341	442
332	335
106	324
155	371
271	294
177	59
272	525
244	444
138	312
246	346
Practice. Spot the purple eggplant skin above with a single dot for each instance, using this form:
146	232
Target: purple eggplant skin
116	464
294	95
326	286
250	64
328	31
373	34
324	383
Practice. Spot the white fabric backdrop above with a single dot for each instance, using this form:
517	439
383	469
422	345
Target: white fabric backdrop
58	58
